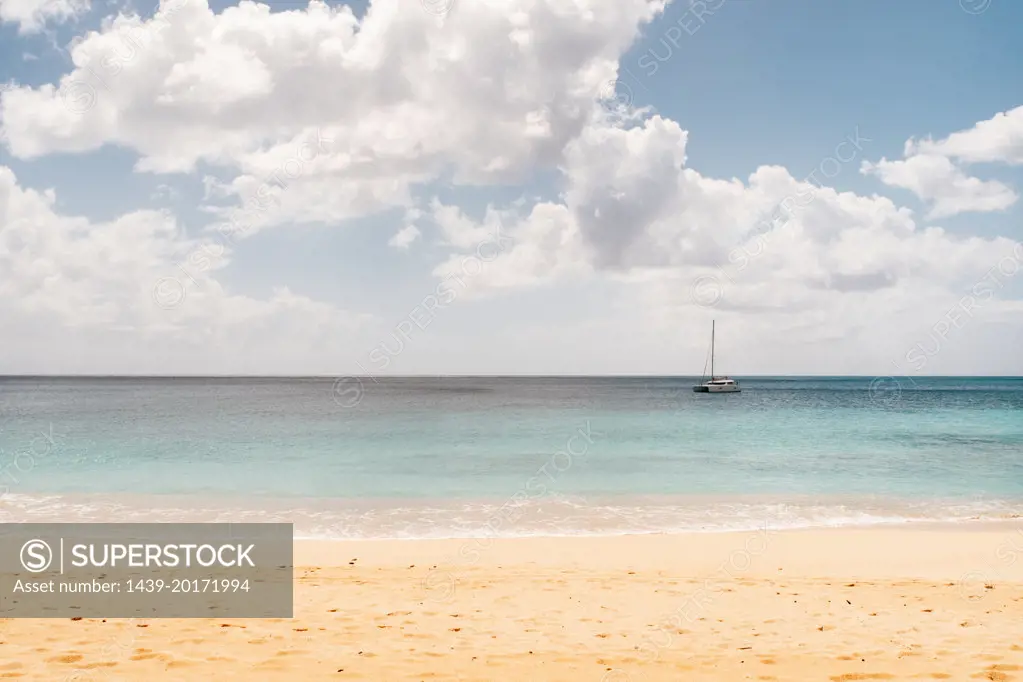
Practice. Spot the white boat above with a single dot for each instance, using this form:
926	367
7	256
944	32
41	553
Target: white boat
716	384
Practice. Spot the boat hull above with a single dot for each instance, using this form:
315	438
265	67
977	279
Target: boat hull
716	389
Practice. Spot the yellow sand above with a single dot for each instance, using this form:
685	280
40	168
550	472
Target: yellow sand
894	604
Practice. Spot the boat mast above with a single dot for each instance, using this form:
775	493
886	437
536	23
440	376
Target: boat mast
712	350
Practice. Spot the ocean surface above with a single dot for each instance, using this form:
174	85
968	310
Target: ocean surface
481	457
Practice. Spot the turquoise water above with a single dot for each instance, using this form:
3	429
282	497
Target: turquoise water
424	457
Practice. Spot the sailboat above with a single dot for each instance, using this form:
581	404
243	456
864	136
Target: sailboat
716	384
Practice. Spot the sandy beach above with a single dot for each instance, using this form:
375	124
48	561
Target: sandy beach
844	604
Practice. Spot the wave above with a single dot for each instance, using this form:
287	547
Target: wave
550	516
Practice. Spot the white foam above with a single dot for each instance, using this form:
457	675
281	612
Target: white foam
544	516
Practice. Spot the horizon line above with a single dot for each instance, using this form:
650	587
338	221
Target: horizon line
374	377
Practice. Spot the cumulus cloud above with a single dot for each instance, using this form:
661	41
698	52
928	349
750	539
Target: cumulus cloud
132	285
633	212
33	15
315	115
404	237
996	140
486	94
938	181
929	172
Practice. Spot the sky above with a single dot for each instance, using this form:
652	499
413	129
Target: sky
558	187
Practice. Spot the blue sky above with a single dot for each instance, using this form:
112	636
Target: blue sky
782	83
757	84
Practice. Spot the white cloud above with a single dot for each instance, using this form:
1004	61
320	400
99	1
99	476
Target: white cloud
488	93
937	180
404	237
118	283
996	140
539	249
928	170
33	15
835	266
315	116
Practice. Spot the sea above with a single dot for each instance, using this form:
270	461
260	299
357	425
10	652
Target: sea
461	457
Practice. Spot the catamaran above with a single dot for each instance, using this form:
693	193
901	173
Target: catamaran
715	384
